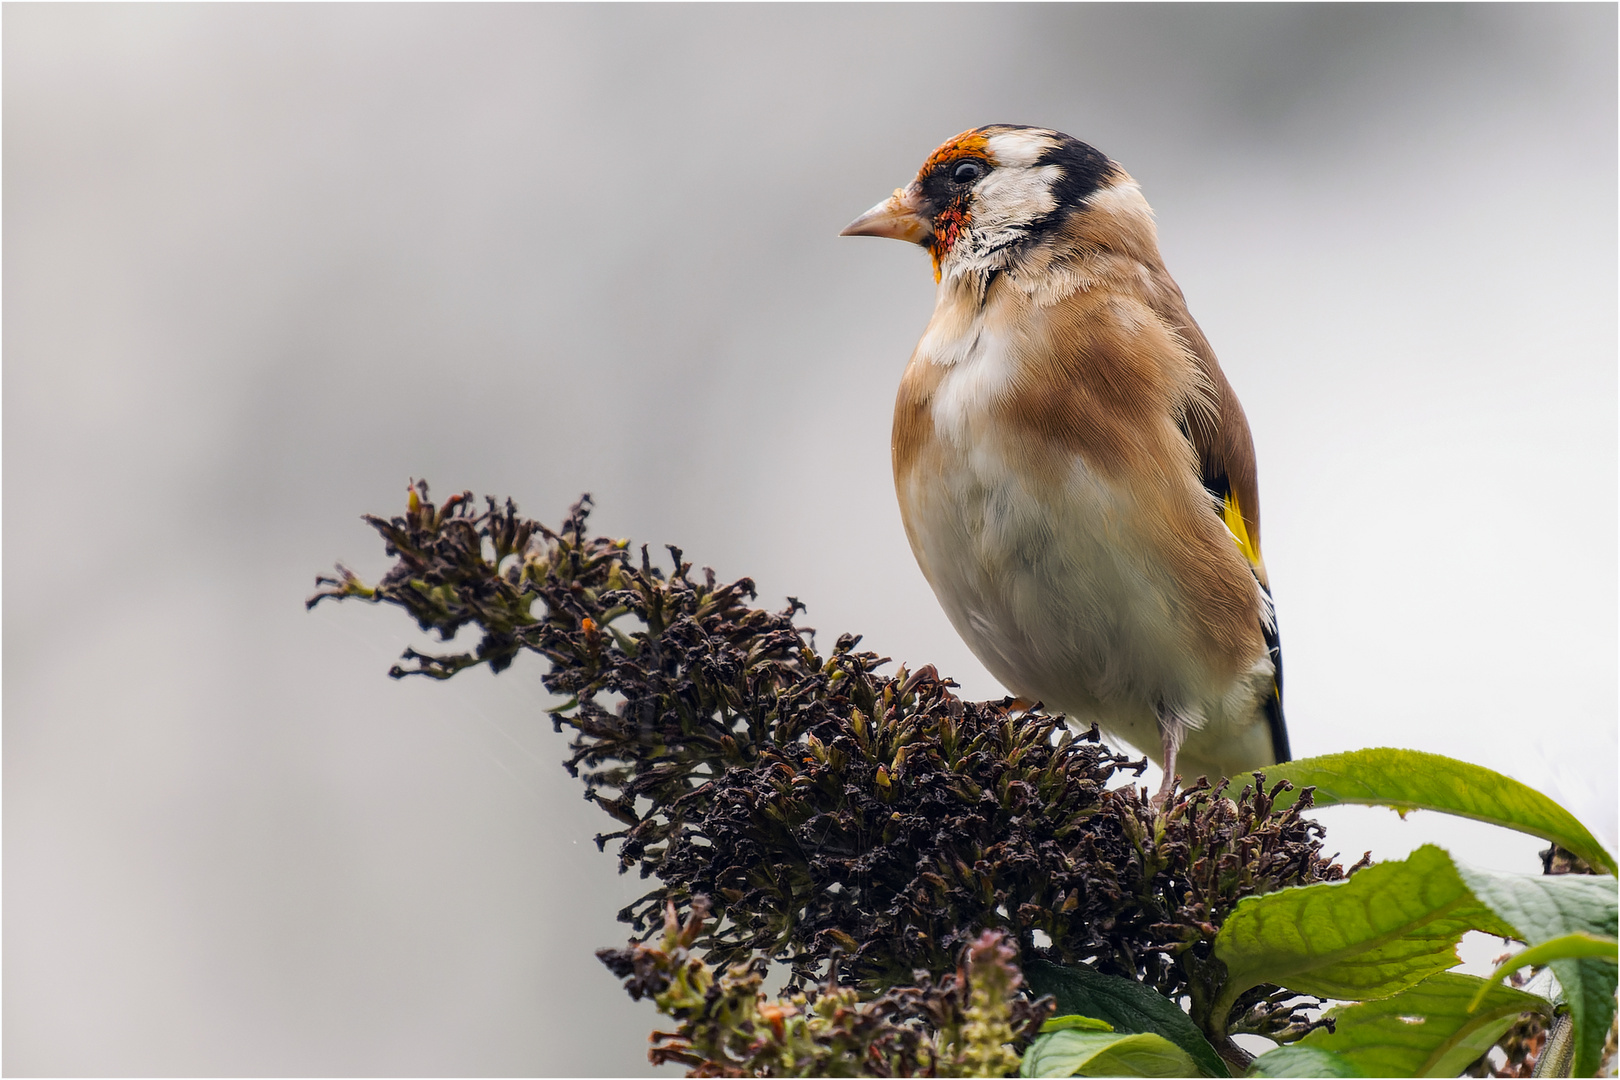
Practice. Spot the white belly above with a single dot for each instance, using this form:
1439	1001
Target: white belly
1054	594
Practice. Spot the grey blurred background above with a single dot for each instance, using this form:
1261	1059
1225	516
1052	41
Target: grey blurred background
263	265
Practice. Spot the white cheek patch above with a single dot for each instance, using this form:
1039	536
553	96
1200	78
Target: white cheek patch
1004	205
1014	197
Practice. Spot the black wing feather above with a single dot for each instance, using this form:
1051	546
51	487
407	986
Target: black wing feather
1216	483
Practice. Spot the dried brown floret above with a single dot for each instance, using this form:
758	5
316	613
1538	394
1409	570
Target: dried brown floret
970	1023
861	826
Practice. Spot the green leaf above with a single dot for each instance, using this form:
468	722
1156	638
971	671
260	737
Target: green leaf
1124	1003
1427	1030
1544	908
1297	1060
1413	780
1376	934
1083	1023
1568	947
1100	1053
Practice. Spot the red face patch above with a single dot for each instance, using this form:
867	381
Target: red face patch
950	222
948	226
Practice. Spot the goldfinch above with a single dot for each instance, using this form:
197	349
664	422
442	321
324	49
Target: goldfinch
1075	474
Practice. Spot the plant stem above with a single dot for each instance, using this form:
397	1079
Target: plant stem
1233	1054
1559	1053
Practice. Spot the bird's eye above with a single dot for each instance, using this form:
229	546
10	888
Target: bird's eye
966	172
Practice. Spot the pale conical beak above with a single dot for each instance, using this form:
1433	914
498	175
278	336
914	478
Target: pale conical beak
899	217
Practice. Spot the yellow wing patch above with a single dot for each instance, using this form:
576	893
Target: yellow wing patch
1232	514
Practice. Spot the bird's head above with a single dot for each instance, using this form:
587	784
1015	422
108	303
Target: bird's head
989	195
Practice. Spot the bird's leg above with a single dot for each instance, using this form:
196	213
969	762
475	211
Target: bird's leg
1172	728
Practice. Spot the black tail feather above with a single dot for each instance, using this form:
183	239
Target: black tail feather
1274	706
